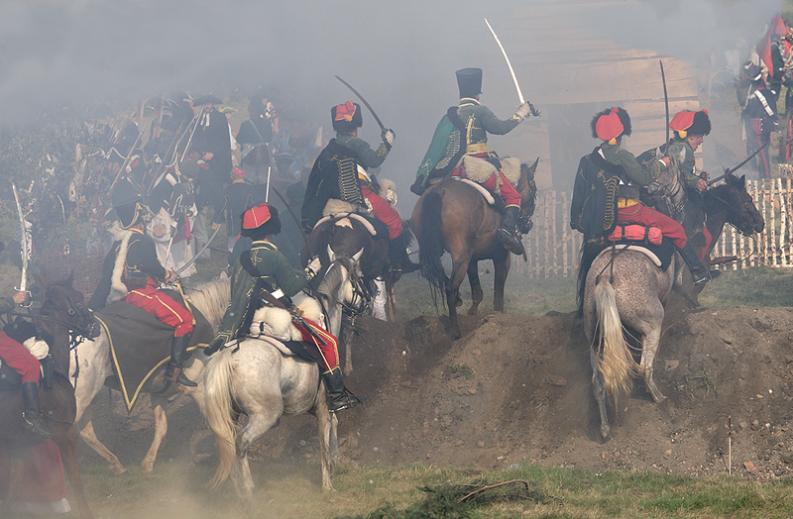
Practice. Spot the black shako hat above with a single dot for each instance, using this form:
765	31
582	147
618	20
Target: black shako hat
126	204
469	81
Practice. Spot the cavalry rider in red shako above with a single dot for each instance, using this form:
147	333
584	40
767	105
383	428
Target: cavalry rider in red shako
463	131
690	128
340	173
18	358
610	126
132	270
265	268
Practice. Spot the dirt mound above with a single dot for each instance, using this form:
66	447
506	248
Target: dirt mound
517	388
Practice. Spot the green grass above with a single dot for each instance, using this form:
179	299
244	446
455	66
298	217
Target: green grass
755	287
430	492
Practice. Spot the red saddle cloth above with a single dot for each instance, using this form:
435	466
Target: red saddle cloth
637	233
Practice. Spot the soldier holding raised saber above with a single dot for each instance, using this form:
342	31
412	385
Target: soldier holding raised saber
462	134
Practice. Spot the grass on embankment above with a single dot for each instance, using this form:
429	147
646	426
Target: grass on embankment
176	490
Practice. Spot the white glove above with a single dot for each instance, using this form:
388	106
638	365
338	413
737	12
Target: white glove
522	112
388	137
313	266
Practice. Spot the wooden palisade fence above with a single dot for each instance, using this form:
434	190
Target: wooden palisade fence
553	248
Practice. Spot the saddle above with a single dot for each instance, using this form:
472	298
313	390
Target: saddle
341	212
661	255
140	344
476	170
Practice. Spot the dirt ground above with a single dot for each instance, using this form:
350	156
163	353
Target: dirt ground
516	388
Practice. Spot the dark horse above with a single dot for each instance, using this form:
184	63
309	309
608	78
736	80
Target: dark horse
56	396
625	293
453	216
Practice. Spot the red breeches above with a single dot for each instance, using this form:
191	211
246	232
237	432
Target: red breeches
327	344
384	212
496	183
649	217
163	307
20	359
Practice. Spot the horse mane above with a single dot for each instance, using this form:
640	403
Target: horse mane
211	298
332	279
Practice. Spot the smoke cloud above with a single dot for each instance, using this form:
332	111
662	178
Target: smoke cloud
90	57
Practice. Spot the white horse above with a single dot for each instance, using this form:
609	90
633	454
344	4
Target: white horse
91	366
263	381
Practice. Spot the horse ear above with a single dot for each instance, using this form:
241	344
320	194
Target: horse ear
331	254
743	181
534	166
357	256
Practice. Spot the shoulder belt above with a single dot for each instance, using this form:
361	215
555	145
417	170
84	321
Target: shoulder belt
602	163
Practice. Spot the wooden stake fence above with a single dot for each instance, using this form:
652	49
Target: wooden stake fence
553	248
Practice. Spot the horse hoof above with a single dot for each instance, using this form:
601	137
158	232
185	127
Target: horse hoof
659	398
118	470
605	433
147	468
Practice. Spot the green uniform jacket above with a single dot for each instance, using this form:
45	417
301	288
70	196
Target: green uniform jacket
635	171
683	153
274	268
367	157
446	141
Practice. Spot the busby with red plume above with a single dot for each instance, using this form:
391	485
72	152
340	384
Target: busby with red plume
611	124
690	122
346	117
259	221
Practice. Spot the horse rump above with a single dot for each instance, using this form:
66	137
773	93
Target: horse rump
613	359
431	246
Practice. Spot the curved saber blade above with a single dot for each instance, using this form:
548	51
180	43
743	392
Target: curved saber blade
24	241
364	101
509	63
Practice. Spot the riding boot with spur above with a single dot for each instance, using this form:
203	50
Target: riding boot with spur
339	397
699	271
31	416
508	233
173	371
399	257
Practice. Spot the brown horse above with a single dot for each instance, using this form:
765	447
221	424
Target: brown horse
57	403
453	216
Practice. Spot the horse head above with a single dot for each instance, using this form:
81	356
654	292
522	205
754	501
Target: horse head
737	204
64	307
528	193
342	287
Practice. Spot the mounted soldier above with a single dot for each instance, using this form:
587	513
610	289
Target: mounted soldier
760	118
21	360
607	192
459	147
340	174
262	275
132	271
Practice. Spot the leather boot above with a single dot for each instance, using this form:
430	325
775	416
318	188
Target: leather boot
173	371
699	271
399	258
508	233
339	397
31	416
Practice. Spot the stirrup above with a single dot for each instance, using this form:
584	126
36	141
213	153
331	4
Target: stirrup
342	401
510	242
34	426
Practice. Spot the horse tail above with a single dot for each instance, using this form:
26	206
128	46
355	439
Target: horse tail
613	360
218	409
431	245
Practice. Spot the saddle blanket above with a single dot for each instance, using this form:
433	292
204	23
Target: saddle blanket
660	255
140	344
